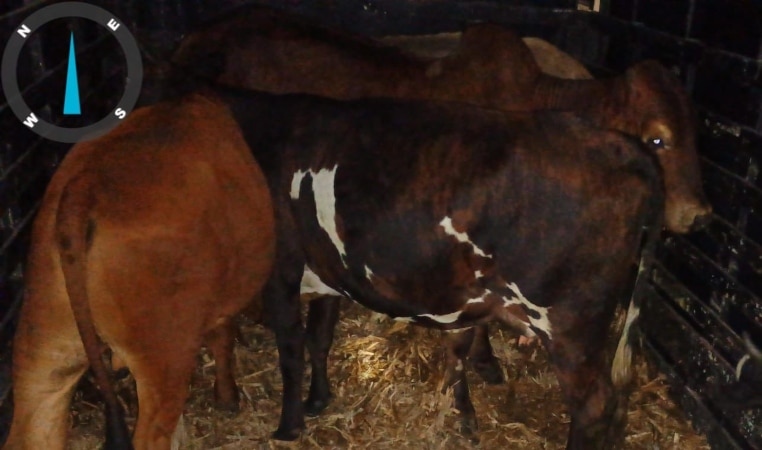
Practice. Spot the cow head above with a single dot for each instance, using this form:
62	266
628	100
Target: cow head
665	121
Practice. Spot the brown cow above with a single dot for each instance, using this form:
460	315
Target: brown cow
154	235
274	52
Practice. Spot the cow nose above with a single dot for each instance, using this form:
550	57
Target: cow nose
701	221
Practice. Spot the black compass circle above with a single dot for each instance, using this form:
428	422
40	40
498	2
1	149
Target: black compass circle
132	82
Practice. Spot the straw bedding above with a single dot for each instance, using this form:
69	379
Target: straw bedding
386	380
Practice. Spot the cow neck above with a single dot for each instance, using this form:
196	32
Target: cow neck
603	102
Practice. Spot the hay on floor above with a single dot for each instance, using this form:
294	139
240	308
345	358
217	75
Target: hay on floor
386	379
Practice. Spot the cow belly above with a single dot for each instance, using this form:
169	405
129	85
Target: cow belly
515	311
453	286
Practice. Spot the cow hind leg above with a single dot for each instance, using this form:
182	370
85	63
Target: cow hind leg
597	409
162	381
321	322
458	345
48	360
481	357
220	342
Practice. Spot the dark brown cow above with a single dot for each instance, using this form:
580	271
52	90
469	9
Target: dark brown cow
154	235
552	61
447	216
274	52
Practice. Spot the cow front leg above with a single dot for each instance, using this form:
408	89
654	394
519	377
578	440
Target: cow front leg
458	345
321	322
483	359
283	310
597	410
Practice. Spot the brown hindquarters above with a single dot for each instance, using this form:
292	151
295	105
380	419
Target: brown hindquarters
175	235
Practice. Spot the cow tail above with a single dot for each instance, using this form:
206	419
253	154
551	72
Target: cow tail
621	367
653	222
74	231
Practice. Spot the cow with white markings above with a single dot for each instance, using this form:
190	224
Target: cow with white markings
449	216
487	65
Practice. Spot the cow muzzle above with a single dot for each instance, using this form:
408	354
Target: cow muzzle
690	218
701	221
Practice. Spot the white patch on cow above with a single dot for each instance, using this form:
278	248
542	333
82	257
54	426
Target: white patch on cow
459	366
368	273
296	183
312	284
479	299
478	274
739	367
543	322
325	204
404	319
445	318
446	223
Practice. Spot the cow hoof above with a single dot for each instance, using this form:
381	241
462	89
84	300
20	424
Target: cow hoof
227	407
313	408
469	427
489	371
287	435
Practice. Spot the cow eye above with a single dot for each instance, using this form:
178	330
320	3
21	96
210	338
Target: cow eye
656	143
